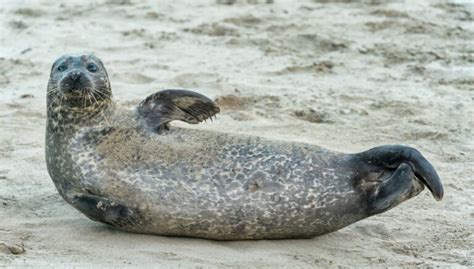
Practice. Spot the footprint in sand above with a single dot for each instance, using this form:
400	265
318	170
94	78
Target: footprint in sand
137	78
312	115
29	12
199	80
213	29
316	67
248	107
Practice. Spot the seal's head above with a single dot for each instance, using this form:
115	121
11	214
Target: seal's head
78	82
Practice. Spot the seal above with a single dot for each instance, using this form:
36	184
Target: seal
130	169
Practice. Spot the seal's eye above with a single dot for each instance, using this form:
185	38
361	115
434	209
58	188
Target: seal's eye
92	67
61	68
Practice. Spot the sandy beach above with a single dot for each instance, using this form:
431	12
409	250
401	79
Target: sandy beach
345	75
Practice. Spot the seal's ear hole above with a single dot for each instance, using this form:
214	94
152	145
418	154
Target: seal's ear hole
54	67
99	62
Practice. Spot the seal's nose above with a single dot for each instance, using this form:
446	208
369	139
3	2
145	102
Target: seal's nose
75	75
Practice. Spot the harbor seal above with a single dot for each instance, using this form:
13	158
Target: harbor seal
130	169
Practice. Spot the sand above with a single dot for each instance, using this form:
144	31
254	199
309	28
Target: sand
346	75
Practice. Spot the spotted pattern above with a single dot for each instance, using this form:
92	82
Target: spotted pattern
194	183
213	185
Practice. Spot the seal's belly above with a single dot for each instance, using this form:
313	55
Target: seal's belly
187	175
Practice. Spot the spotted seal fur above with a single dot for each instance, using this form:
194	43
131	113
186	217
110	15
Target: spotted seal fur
130	170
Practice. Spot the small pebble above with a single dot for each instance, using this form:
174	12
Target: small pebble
27	95
14	249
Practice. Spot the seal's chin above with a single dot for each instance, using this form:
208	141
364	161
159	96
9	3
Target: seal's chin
79	93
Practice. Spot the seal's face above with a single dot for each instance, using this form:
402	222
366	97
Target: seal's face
78	82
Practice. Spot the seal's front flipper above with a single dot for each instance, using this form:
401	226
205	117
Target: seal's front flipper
158	109
105	210
394	190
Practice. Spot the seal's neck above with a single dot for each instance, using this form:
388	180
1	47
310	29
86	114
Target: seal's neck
63	123
63	119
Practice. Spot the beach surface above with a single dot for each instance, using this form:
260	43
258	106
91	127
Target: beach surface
345	75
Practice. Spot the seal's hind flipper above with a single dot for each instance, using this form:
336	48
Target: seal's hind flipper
158	109
391	156
106	211
394	190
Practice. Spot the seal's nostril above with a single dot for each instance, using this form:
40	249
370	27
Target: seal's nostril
75	75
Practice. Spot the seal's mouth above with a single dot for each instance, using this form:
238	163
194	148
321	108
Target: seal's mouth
76	84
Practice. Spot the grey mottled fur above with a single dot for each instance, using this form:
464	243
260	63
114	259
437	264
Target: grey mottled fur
186	182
